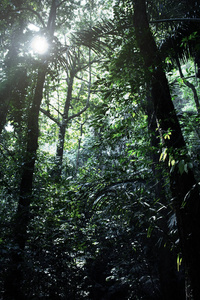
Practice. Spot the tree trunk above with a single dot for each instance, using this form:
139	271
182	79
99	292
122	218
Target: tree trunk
185	193
15	275
155	155
4	104
79	148
14	279
65	117
14	73
22	216
190	85
63	126
171	286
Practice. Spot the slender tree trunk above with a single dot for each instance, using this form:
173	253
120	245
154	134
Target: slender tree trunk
66	118
22	216
190	85
15	275
13	73
4	104
63	126
79	148
184	188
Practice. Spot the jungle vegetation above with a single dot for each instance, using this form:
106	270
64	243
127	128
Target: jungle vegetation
99	149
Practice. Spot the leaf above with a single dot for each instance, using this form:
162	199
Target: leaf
163	155
168	60
149	231
186	168
179	261
181	166
173	162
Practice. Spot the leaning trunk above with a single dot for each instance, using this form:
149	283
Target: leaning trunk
184	188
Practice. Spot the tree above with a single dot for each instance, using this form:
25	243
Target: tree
183	184
78	65
22	216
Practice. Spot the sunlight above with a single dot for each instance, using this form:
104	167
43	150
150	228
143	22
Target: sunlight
39	44
33	27
9	127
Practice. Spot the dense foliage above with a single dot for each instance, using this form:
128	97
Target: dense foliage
99	150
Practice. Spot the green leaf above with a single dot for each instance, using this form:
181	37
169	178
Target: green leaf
181	166
186	168
179	261
163	155
149	231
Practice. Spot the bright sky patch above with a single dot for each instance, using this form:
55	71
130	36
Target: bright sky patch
39	44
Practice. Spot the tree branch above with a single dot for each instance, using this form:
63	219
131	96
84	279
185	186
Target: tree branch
79	113
34	12
89	92
176	20
59	4
190	85
47	113
56	109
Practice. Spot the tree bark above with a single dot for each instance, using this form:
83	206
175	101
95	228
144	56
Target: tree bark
63	125
155	155
65	117
14	279
170	286
5	94
14	74
22	216
190	85
184	189
15	275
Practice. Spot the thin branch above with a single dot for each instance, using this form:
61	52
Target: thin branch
89	92
176	20
190	85
34	12
84	80
47	113
79	113
56	109
61	3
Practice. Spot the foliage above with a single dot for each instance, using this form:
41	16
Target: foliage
105	228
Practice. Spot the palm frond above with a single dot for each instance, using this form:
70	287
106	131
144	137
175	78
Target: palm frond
96	37
183	42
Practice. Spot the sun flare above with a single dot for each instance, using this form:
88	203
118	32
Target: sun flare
39	44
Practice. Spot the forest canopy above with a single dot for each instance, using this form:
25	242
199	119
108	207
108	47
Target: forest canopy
99	149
